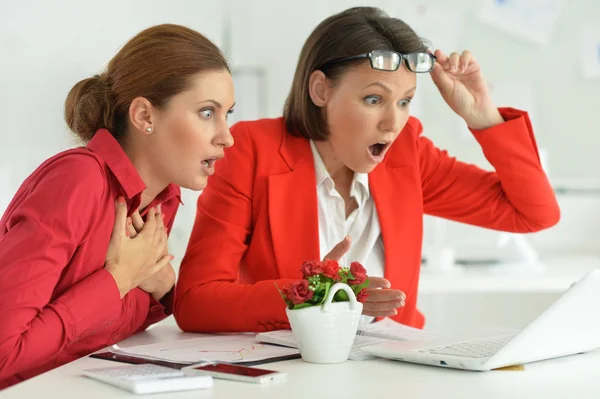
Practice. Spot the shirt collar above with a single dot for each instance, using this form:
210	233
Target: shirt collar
360	182
108	148
320	169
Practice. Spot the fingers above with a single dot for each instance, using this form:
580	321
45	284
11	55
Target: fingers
440	56
379	282
161	246
383	302
339	250
465	59
160	225
448	63
383	306
120	227
385	295
163	262
441	79
151	226
454	63
138	222
152	229
131	232
387	313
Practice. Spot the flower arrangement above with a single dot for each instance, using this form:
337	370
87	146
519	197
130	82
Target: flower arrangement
319	276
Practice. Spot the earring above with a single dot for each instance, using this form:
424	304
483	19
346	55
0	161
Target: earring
149	129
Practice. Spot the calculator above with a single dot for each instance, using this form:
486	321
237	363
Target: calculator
149	378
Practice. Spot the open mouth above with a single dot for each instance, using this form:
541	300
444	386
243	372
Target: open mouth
209	163
378	148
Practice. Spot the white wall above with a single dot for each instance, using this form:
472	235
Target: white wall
46	47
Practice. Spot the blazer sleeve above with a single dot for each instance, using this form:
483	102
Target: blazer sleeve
517	197
209	296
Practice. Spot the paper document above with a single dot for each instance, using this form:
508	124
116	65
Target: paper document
372	334
389	329
234	348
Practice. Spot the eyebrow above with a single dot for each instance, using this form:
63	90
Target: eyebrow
387	89
215	103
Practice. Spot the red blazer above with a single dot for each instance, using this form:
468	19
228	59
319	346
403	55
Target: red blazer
257	220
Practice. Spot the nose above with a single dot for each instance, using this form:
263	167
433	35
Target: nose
224	137
393	120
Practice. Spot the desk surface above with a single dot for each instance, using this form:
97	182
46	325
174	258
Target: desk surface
570	377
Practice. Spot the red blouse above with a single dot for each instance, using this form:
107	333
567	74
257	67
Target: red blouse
57	302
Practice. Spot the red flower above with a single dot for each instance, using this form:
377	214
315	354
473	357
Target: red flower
331	269
311	268
362	296
359	273
298	292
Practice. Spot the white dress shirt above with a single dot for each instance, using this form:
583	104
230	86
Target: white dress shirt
362	224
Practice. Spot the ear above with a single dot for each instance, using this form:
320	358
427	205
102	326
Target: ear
318	89
141	115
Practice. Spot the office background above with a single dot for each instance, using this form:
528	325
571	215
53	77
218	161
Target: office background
46	47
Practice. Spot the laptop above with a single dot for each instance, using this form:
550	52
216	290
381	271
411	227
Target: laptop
570	325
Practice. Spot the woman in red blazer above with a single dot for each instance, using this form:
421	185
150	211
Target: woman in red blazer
346	118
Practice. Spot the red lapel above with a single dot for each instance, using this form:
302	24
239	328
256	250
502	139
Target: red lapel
293	212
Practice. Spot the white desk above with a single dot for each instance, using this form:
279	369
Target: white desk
569	377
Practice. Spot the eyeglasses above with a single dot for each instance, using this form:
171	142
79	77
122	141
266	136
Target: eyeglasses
387	60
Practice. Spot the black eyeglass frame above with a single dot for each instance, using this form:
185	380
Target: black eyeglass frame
373	54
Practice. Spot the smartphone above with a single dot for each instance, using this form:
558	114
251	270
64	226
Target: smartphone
235	372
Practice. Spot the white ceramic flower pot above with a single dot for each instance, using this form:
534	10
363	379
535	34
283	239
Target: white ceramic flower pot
325	333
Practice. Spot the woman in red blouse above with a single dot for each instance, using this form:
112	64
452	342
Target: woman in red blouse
83	244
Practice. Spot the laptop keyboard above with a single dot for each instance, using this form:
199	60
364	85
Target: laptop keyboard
473	349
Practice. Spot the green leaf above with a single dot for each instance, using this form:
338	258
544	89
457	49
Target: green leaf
318	298
326	279
302	305
359	287
340	296
319	288
280	293
344	272
287	302
321	300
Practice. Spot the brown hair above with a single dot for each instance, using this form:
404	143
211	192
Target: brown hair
157	63
354	31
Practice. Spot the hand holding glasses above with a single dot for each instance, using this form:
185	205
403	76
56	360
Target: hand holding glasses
458	77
